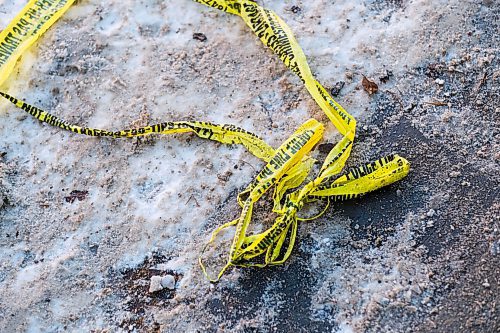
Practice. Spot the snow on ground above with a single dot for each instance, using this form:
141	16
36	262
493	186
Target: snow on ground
87	265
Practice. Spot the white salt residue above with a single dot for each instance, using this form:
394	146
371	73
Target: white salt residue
368	280
344	40
127	63
123	70
8	10
343	328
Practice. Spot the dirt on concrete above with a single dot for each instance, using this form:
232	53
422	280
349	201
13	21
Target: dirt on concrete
422	255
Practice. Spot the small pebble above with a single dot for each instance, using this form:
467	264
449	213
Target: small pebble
335	91
439	81
155	284
199	36
431	213
168	282
158	283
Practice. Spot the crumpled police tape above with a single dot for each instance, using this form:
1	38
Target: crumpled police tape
287	167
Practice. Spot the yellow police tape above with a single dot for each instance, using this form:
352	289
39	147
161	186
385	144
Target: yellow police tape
33	20
287	167
228	134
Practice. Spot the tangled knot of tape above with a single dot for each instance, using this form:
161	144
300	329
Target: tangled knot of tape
286	171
